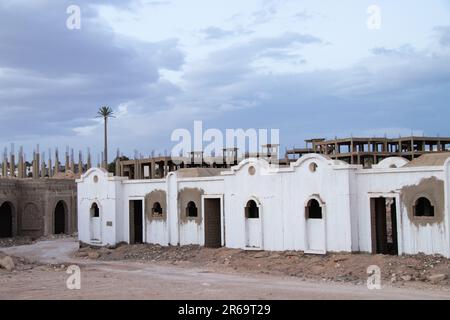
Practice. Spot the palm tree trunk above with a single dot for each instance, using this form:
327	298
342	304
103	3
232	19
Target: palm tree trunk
105	155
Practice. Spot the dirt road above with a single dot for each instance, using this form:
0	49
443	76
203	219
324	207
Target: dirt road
134	280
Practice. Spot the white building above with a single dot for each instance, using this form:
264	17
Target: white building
316	205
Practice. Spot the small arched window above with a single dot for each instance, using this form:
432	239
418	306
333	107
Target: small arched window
313	210
191	210
95	212
423	208
252	210
157	209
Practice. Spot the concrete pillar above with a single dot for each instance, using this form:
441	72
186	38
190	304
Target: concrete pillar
152	169
165	169
56	171
34	164
80	163
50	171
89	161
117	173
43	169
12	162
67	162
38	162
5	164
72	161
20	170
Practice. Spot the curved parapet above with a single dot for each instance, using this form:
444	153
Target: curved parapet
391	162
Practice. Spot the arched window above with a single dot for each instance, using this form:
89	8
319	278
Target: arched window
252	210
157	209
423	208
95	212
191	210
313	210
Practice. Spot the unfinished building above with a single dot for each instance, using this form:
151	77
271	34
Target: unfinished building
364	151
38	198
370	151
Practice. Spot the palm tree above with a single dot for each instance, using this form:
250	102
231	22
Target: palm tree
105	113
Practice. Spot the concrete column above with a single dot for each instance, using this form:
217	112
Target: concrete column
43	169
67	162
20	170
72	161
89	161
38	162
35	164
117	173
152	169
56	171
80	163
50	171
12	162
165	169
5	164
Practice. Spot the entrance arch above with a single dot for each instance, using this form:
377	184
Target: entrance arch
59	218
253	226
95	223
315	226
6	220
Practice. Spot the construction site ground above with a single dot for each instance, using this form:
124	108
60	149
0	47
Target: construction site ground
193	272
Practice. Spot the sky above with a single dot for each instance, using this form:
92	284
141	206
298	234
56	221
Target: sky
307	68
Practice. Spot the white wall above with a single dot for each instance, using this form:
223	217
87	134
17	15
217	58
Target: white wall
106	192
413	239
343	190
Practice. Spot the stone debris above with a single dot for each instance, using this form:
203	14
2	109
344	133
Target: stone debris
435	278
6	262
406	278
337	267
93	255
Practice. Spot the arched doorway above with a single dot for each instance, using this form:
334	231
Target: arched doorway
315	226
253	225
95	223
59	226
6	220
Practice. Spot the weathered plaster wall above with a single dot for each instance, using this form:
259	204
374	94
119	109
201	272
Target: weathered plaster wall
415	235
34	203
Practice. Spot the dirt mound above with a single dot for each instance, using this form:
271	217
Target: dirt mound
337	267
17	241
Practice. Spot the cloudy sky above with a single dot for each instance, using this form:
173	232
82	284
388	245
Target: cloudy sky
309	68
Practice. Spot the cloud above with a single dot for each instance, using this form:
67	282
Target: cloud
443	33
53	79
405	50
216	33
395	91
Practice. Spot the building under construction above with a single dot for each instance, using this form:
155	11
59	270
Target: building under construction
353	150
370	151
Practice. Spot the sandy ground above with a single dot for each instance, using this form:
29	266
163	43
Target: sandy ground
41	274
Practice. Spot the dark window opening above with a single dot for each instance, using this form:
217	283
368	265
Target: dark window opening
6	218
423	208
313	210
157	209
191	210
252	210
60	218
95	211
